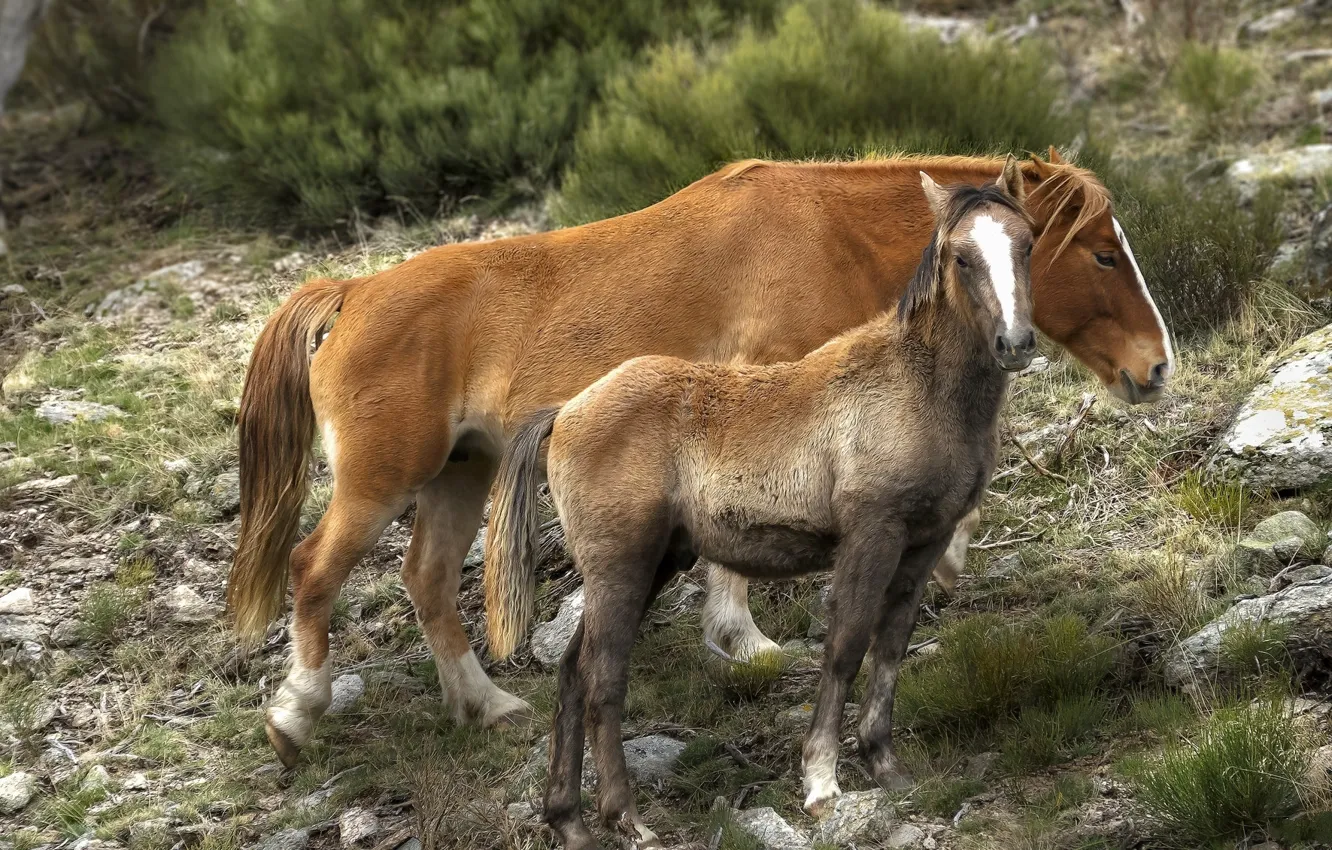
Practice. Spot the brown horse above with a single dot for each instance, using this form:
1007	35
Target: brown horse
433	362
865	454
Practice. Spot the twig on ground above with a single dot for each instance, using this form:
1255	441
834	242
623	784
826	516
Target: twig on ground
743	760
1088	400
1035	464
1012	541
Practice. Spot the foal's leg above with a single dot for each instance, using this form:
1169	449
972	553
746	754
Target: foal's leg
613	609
954	560
727	621
448	513
901	606
562	807
319	566
863	565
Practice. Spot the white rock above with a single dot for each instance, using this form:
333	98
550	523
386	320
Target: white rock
185	605
96	777
549	640
476	553
1301	165
61	411
18	630
357	825
16	791
1269	23
652	757
856	817
182	272
13	290
135	782
347	689
905	835
770	830
287	839
225	492
67	633
17	601
179	465
1282	437
46	485
523	813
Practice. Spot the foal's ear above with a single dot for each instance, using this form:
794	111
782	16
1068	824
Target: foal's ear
1055	158
1011	182
935	194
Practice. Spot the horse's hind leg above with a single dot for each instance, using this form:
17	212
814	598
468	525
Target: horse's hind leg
448	513
562	806
319	566
727	621
616	598
865	561
901	606
954	560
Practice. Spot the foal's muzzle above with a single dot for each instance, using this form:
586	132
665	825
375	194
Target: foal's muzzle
1015	348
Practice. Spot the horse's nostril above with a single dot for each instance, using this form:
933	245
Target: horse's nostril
1030	344
999	344
1159	374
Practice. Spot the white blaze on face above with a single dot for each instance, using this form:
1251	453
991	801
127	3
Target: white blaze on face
1142	284
996	247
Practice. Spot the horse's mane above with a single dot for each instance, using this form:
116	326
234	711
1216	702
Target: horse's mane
962	200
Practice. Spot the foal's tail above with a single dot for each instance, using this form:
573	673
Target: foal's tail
511	542
276	424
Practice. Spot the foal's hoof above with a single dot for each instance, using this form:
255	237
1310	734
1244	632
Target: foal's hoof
287	751
895	779
511	713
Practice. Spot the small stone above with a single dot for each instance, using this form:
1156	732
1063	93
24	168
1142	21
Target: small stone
287	839
856	817
357	825
87	566
67	633
179	465
770	829
1313	572
46	485
61	412
135	782
652	757
150	831
1255	557
905	835
409	844
1327	556
818	614
16	791
1268	24
315	800
18	630
1288	549
185	605
549	640
347	689
796	648
523	813
96	777
13	290
17	601
181	272
1283	527
476	553
979	765
225	492
797	717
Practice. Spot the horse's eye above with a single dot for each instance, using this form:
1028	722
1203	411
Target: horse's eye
961	262
1028	250
1107	260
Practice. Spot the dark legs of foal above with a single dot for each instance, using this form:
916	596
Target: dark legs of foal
594	676
901	607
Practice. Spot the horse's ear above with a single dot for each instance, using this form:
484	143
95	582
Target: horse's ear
936	195
1055	158
1011	182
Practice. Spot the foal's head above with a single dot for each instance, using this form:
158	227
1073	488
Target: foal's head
980	261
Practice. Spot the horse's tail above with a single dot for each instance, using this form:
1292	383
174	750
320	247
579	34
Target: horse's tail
276	424
511	542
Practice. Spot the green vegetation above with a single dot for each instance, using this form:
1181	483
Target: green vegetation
1240	771
1216	84
834	78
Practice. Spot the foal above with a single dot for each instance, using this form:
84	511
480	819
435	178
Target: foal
865	454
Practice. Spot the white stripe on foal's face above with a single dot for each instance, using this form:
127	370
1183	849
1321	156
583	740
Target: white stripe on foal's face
1142	283
996	248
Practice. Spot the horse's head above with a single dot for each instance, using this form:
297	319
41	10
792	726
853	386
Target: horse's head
1090	295
980	259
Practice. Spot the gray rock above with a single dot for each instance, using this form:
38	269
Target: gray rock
135	782
16	791
225	492
20	464
523	813
770	830
1327	556
45	485
979	765
357	825
287	839
476	553
1312	572
652	757
61	412
549	640
1304	612
1290	526
1320	234
818	615
13	290
179	466
1265	25
82	566
152	831
856	817
905	835
1300	165
180	272
67	633
18	630
185	605
409	844
796	717
347	689
18	601
1282	437
96	777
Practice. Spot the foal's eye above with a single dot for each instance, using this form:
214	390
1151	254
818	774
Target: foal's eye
961	262
1028	250
1107	260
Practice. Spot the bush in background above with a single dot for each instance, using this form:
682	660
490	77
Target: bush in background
318	109
100	51
1215	84
834	78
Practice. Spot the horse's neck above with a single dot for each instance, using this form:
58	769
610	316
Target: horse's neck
964	376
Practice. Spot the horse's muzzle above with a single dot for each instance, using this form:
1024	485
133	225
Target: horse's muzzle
1135	393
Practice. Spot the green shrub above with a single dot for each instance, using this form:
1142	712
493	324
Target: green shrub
1044	736
1241	771
101	51
1216	85
834	78
321	109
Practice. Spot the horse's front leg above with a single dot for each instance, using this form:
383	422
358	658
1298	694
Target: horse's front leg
862	566
901	606
727	621
954	560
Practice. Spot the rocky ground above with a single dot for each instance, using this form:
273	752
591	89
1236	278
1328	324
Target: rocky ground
1141	548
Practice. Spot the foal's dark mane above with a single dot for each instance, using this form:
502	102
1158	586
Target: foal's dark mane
929	274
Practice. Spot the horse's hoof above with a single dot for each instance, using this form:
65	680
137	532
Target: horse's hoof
895	780
515	715
287	751
819	808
